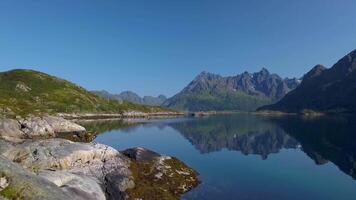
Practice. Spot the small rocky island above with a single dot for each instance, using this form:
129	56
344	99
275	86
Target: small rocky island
36	164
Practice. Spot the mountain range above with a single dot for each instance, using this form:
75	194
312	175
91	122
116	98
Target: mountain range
133	97
244	92
323	90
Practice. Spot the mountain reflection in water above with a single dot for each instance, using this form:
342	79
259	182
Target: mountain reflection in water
245	133
323	139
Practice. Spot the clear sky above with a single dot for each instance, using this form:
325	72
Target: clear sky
153	47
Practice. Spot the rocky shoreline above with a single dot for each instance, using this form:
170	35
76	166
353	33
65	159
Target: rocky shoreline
35	164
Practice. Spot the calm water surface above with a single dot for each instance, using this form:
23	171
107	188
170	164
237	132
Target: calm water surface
251	157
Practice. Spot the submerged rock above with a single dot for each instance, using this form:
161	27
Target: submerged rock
141	154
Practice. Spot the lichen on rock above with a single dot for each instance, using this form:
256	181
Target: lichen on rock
159	177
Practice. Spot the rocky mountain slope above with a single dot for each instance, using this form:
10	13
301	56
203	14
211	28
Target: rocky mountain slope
24	92
323	90
246	92
133	98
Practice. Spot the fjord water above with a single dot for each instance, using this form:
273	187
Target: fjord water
252	157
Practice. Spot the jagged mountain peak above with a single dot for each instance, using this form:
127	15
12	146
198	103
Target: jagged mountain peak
250	89
132	97
204	75
264	71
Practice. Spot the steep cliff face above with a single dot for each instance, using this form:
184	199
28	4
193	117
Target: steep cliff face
322	89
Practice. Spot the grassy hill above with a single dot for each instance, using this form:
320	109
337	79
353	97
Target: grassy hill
24	92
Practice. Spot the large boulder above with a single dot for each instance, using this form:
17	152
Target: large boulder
10	130
100	162
48	126
60	125
36	127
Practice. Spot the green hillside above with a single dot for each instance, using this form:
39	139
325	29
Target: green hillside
24	92
208	101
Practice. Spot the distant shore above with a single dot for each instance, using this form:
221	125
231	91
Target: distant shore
133	114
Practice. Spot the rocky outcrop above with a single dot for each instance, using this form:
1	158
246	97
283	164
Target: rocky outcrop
80	171
48	126
36	127
98	161
97	171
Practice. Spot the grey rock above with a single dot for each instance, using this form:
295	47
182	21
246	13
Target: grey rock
88	171
48	126
10	130
97	161
60	125
78	186
36	127
141	154
26	185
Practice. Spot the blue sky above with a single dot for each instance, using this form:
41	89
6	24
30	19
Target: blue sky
155	47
